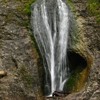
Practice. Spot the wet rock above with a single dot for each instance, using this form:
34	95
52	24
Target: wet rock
59	94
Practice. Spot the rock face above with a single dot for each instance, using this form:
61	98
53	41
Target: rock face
89	30
18	56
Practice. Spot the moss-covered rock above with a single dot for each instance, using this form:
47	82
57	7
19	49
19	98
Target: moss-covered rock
93	7
26	6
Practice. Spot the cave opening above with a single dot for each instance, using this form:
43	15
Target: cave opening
76	61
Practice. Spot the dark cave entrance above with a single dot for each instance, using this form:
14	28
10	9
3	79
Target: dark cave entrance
76	61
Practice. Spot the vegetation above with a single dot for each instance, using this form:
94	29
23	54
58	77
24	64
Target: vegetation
70	3
93	7
77	79
27	5
72	81
26	77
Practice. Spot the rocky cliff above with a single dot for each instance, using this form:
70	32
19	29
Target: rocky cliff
18	55
89	26
20	65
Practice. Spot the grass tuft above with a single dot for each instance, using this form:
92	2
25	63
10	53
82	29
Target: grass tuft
93	7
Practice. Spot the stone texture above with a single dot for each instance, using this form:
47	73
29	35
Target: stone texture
91	39
18	56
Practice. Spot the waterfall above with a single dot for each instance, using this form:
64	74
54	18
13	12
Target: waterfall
50	24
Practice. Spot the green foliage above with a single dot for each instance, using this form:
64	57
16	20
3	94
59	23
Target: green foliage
94	9
70	3
26	5
72	81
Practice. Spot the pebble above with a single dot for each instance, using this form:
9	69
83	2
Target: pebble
3	73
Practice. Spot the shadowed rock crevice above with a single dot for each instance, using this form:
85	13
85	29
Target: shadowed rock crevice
76	61
78	72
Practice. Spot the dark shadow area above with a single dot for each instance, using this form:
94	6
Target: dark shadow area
76	61
76	64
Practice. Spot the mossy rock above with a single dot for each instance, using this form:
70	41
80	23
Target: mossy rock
26	6
93	7
79	73
72	81
26	77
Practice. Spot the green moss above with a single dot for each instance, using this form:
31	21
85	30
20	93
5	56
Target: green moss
26	77
26	6
72	81
71	4
93	7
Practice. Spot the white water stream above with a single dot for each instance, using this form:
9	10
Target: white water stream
51	30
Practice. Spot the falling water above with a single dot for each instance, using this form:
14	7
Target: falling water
50	24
